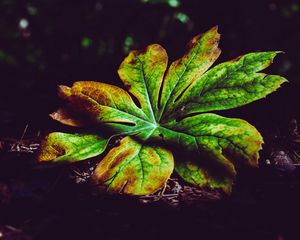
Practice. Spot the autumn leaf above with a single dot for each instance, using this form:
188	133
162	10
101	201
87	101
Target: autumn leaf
134	168
166	109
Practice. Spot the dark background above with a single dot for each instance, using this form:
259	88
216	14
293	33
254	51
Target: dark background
67	41
44	43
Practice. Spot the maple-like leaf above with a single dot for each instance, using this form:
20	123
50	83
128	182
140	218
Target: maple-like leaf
166	109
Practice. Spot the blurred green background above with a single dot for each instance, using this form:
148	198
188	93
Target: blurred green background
48	42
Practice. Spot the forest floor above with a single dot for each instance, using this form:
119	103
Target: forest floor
58	203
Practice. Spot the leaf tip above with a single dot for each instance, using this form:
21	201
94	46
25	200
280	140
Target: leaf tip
283	80
279	52
227	189
63	92
215	32
54	115
64	116
46	151
274	54
214	28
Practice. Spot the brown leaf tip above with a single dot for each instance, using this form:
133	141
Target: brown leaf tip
63	92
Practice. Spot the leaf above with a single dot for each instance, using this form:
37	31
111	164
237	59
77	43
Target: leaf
221	139
168	111
201	175
59	147
107	104
202	52
142	73
230	85
134	168
68	117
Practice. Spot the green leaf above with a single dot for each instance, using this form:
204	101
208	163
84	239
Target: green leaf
230	85
134	168
202	52
170	111
201	175
59	147
222	140
142	73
